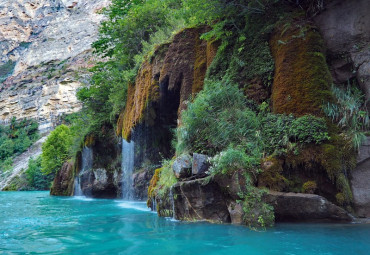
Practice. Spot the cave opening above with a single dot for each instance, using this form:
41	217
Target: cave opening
169	109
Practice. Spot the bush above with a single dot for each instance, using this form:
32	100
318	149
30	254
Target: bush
350	112
309	187
257	214
55	150
15	139
282	133
233	159
218	117
309	129
35	177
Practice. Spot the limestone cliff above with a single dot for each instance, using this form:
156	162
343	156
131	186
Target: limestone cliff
44	46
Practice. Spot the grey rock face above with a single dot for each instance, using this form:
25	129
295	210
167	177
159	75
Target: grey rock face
236	213
200	164
305	207
200	199
44	44
182	166
360	181
345	29
141	183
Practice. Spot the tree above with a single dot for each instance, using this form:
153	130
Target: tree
55	151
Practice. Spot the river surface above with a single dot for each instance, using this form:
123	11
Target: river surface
36	223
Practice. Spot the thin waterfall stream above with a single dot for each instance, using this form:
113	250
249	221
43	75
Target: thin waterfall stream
87	163
128	157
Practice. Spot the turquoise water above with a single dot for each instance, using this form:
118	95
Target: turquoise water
36	223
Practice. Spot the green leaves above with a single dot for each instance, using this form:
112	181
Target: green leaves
282	133
218	117
349	112
15	139
55	150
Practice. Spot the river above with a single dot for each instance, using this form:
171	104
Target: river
36	223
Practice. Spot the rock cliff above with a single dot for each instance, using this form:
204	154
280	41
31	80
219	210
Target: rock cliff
44	46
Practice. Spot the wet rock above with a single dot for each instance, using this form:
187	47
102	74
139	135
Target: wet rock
141	183
200	199
232	184
200	164
305	208
236	213
360	181
182	166
63	182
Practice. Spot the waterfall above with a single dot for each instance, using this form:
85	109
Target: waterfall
87	163
127	167
172	201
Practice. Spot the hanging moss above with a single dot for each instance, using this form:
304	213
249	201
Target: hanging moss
179	67
271	176
152	186
302	79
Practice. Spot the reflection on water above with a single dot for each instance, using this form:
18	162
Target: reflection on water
34	222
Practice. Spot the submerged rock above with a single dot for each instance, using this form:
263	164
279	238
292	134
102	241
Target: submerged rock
182	166
305	207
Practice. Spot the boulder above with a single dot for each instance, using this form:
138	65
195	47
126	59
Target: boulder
305	208
182	166
344	26
63	181
360	181
236	213
141	184
200	164
200	199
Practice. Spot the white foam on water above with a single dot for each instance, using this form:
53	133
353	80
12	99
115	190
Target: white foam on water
82	198
139	206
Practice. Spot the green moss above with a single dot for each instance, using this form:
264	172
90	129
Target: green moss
309	187
271	176
302	79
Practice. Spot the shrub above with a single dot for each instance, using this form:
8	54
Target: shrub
350	112
36	179
233	159
282	133
217	117
257	214
15	139
309	129
309	187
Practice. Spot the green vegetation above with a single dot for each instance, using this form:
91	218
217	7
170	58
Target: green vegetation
218	117
350	112
56	149
283	133
35	177
15	139
6	69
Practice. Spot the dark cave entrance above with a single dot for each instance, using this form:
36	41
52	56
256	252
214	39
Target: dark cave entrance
168	112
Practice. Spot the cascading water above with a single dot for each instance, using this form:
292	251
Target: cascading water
87	162
172	201
127	166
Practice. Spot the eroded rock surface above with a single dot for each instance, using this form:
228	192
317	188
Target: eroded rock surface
305	207
360	181
43	44
200	199
345	28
